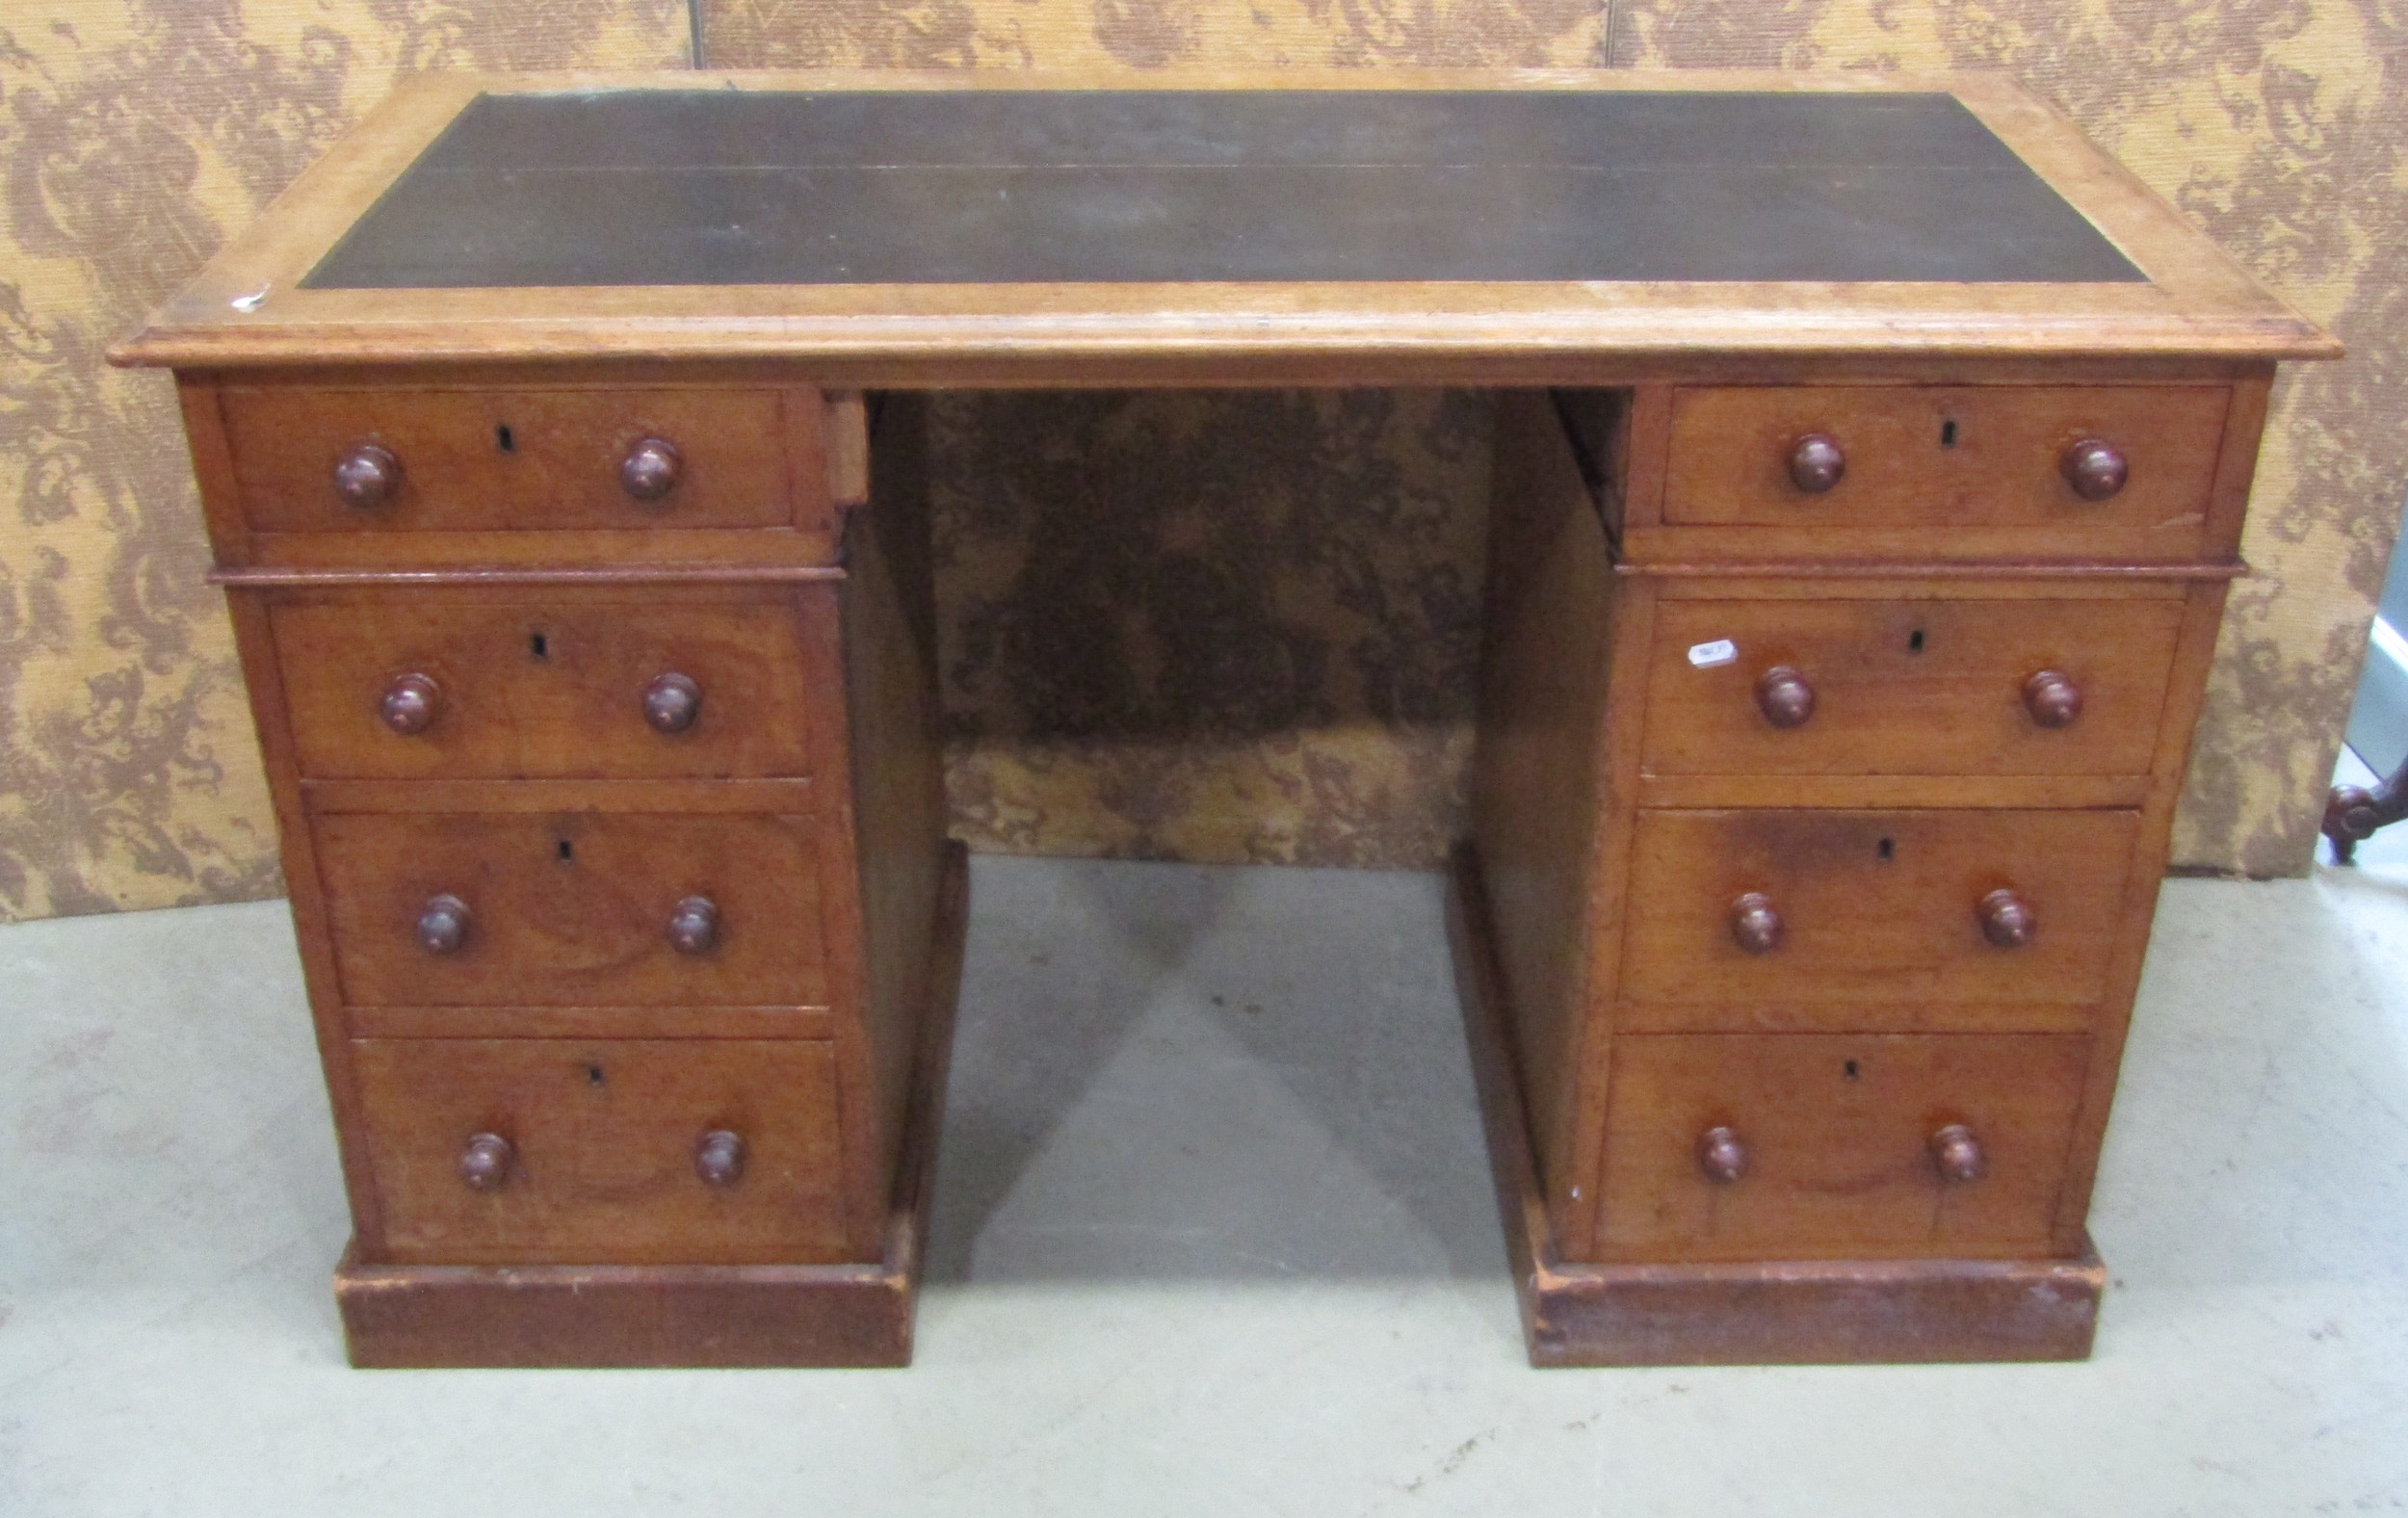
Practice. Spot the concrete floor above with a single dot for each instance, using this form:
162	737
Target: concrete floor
1214	1235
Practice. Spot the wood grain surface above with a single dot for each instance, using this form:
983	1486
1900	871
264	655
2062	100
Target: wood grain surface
1543	816
573	908
509	457
533	684
1837	1132
604	1135
1944	457
1874	905
1934	687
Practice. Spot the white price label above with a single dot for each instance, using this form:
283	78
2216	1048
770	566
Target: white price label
1712	656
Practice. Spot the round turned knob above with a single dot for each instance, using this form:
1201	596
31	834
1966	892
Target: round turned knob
2007	919
1784	697
2095	469
443	926
650	469
1958	1154
367	475
719	1157
1754	925
1722	1155
671	703
410	704
485	1163
2052	698
693	924
1816	463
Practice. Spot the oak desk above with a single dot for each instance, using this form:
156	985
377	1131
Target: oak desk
1872	463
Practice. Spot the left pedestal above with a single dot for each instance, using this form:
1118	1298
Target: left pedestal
598	710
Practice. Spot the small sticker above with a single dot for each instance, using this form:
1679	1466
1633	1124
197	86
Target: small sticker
1712	656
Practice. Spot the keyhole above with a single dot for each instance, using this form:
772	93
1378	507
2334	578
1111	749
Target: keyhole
1914	641
1948	433
567	851
503	440
538	646
1887	848
1850	1069
593	1075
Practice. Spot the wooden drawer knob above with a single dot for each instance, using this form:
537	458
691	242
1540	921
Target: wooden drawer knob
485	1163
671	703
1816	463
443	926
650	469
1754	924
1958	1155
693	924
367	476
2007	919
2052	698
719	1157
411	703
1784	697
2095	469
1722	1155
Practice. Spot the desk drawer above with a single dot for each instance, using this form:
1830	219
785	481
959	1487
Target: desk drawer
576	909
1953	455
1900	687
1788	907
557	1151
516	684
1735	1147
338	460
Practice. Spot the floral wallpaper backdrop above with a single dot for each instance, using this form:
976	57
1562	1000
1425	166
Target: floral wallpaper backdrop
135	135
1239	626
1149	33
1236	626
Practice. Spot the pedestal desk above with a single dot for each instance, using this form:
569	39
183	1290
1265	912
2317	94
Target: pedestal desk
1870	464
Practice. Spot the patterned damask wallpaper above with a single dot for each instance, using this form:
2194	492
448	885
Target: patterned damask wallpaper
1241	626
135	135
1229	627
1149	33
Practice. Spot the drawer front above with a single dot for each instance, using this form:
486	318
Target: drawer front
311	461
1923	686
1954	455
507	684
1821	906
578	909
553	1151
1734	1147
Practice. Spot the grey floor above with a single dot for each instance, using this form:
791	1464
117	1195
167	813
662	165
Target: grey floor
1214	1235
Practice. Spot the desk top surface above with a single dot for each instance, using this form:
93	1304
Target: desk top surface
938	227
714	187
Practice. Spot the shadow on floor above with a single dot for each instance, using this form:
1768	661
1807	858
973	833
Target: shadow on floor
1166	1072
